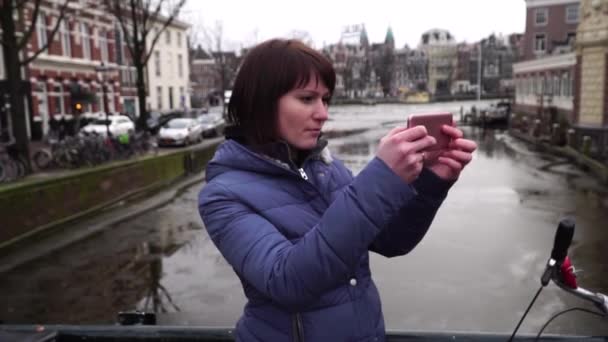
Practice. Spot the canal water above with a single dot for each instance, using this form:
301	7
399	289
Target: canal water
476	270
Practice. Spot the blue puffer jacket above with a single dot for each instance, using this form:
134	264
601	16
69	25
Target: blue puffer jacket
299	238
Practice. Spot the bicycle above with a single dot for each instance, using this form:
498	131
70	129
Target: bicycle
11	166
560	270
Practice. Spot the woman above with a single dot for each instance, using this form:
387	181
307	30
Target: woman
293	222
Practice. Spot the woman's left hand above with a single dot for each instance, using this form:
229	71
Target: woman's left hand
452	161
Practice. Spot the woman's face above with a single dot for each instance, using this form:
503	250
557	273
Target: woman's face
302	113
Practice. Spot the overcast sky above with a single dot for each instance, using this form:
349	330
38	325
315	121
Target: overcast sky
248	21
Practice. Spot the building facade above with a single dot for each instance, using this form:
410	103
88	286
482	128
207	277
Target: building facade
211	75
169	69
202	78
591	103
441	49
550	26
352	60
544	80
69	67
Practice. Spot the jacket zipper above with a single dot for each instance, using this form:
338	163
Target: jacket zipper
302	173
298	329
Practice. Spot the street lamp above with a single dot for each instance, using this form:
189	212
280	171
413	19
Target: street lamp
102	69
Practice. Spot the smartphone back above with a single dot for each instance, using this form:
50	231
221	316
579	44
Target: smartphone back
433	123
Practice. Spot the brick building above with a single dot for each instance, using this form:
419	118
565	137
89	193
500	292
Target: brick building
86	38
544	80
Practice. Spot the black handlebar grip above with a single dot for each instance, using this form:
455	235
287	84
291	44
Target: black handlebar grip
563	239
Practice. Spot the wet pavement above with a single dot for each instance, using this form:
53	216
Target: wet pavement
476	270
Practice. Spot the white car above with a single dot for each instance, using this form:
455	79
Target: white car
213	124
180	131
116	124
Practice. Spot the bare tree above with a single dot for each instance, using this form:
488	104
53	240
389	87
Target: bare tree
225	61
15	36
142	23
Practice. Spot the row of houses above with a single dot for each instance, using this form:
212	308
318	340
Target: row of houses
89	53
438	65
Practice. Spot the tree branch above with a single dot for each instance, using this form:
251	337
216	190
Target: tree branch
51	36
174	12
115	8
28	33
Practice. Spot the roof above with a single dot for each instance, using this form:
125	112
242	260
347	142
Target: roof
200	53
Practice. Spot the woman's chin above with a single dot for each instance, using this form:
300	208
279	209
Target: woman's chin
306	144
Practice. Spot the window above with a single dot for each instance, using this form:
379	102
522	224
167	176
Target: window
182	97
41	34
103	45
180	67
572	14
541	16
168	37
170	97
566	84
540	43
66	45
59	90
179	39
86	41
157	63
120	48
556	86
159	97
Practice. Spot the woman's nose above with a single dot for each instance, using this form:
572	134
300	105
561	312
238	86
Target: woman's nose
321	111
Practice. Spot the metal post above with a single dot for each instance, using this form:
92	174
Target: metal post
102	69
479	73
105	107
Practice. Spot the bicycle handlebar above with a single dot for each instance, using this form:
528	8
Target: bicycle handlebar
559	272
563	239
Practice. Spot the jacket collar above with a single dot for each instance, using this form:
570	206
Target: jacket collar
281	151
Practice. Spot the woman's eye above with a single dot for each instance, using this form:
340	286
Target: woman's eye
307	99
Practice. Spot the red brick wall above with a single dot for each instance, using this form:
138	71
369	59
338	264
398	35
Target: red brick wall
95	51
111	46
76	43
556	30
55	45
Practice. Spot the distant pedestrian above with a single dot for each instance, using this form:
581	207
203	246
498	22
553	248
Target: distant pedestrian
293	221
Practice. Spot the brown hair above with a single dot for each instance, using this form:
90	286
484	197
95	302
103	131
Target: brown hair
269	71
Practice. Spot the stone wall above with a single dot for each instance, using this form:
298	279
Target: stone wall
593	86
35	207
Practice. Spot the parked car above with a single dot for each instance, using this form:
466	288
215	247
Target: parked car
180	131
116	124
156	120
213	124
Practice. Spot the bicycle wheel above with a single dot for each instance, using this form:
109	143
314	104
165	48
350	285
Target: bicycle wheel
42	159
19	168
9	170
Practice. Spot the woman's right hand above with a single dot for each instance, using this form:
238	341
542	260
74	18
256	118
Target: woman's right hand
401	149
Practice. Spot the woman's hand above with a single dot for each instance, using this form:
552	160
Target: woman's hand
452	161
401	149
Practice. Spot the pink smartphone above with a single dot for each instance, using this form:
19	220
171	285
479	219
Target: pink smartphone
433	123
